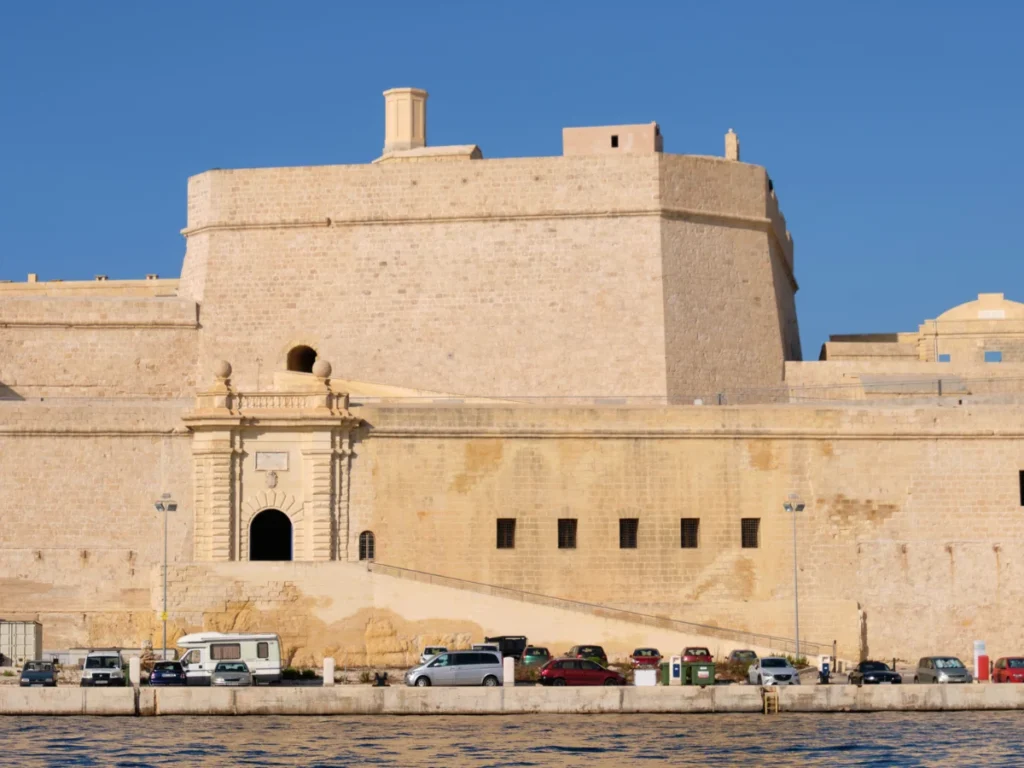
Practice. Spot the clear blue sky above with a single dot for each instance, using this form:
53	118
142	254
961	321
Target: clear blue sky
892	129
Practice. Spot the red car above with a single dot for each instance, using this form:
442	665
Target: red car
697	654
645	657
1009	669
578	672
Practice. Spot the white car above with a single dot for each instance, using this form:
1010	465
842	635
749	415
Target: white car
431	651
772	670
103	668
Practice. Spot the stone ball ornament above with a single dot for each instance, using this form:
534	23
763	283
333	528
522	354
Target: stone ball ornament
222	369
322	369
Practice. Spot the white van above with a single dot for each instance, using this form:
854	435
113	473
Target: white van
260	652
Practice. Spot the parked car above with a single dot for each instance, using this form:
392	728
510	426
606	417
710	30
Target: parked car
534	655
589	652
645	657
578	672
103	667
38	673
430	652
509	645
772	670
231	673
261	653
941	669
168	673
696	653
458	668
743	657
1009	669
874	673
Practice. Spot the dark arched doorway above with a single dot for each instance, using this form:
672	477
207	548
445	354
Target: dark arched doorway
270	536
301	359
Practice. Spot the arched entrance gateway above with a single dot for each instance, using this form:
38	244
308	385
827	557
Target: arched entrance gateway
270	536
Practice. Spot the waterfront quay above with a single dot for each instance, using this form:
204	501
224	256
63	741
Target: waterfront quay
503	701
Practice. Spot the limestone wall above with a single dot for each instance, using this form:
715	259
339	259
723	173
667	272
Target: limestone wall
534	276
911	513
75	346
78	531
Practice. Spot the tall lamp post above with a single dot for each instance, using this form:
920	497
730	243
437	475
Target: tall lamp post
793	506
165	504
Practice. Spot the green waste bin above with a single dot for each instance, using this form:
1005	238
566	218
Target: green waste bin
663	672
700	673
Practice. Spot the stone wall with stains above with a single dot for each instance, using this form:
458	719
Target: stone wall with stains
913	518
913	514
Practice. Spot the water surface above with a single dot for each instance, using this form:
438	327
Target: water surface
876	739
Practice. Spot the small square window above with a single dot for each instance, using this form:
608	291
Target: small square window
944	358
751	532
689	530
993	356
567	533
615	142
627	532
506	533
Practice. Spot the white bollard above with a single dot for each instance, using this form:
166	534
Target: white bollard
509	671
135	670
328	671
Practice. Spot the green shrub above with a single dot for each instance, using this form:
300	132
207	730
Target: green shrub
8	673
308	674
289	673
530	674
366	676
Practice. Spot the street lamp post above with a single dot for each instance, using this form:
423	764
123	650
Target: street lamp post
165	504
793	506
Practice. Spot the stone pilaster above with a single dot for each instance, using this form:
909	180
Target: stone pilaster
318	491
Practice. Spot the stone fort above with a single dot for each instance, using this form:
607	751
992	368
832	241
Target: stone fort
438	396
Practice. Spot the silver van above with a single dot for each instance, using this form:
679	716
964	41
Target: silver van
458	668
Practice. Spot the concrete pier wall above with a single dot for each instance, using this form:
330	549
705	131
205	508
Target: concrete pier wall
398	700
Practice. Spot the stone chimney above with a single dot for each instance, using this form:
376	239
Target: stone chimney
405	119
732	146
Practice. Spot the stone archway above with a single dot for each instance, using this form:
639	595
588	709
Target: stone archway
271	536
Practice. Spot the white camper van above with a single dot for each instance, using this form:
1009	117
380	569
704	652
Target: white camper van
202	651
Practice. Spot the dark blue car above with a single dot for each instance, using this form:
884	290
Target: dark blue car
167	673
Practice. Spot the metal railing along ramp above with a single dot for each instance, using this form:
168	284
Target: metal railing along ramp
743	637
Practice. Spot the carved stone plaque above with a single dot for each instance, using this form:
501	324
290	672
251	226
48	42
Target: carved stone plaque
276	460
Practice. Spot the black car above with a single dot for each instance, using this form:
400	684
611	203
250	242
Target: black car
509	645
589	652
168	673
41	673
873	673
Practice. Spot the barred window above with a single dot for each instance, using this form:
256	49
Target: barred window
225	651
689	529
751	532
567	533
627	532
506	533
367	545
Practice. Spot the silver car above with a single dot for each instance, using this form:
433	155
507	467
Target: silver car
941	669
231	673
459	668
772	670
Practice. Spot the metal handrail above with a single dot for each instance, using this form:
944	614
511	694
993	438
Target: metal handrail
784	644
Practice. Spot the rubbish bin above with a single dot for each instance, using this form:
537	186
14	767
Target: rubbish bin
663	673
700	673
